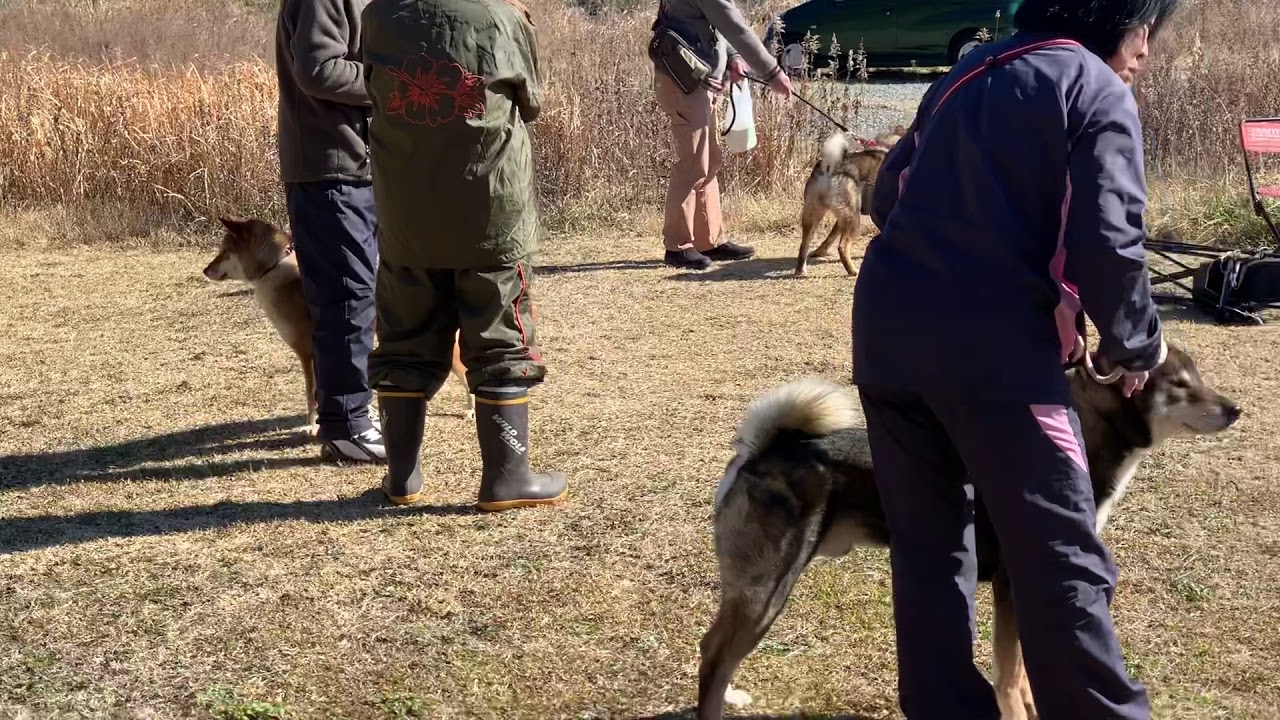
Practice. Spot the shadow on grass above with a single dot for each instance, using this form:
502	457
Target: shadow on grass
143	459
691	714
598	267
1186	311
756	269
34	533
1182	312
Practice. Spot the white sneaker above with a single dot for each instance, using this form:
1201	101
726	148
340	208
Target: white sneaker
366	447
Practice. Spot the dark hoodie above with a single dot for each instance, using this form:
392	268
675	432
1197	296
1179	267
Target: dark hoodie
1016	205
324	109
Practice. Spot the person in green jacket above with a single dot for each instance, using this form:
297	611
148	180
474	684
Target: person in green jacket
453	84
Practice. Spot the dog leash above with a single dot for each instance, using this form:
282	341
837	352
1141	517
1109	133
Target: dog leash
1115	375
805	100
800	98
843	128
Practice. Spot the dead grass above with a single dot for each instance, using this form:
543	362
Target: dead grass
1219	64
169	546
201	33
166	145
165	111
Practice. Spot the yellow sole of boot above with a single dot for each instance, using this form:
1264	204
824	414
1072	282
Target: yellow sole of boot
514	504
402	500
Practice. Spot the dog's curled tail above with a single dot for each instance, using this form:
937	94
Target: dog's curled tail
831	157
813	406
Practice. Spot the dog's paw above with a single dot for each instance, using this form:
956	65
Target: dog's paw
311	430
734	697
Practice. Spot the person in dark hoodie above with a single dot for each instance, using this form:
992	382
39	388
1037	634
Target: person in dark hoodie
324	163
1015	201
454	84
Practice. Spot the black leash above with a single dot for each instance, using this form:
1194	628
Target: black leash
802	99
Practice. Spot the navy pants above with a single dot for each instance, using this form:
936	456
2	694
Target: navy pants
334	236
1028	467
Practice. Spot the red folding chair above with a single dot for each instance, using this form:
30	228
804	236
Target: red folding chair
1260	137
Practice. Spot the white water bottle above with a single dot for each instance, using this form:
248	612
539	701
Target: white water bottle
742	125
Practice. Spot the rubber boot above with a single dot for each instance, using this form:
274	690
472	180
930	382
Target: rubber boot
502	426
403	418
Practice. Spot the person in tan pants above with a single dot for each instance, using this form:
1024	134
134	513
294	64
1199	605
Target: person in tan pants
693	229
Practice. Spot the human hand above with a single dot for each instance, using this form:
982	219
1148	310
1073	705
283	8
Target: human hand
1130	381
737	70
781	85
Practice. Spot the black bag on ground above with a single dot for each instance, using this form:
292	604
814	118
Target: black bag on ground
1238	280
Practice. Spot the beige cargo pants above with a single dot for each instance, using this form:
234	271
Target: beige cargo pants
693	193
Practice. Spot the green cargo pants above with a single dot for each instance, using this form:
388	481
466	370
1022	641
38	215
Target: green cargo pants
419	310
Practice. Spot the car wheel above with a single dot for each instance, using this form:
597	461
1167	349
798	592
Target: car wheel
963	43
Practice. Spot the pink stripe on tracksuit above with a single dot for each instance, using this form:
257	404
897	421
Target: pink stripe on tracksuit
1056	424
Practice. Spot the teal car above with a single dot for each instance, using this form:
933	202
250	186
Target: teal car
896	33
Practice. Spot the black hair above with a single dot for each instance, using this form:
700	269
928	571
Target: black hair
1100	25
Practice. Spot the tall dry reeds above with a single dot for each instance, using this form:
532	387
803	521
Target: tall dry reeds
1218	64
188	130
177	143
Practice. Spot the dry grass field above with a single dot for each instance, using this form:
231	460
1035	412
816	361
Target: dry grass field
142	116
170	546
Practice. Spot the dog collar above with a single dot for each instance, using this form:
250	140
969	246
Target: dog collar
287	252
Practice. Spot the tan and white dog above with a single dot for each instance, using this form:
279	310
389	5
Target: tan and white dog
259	253
841	183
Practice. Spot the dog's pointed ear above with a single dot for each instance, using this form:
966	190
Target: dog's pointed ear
232	224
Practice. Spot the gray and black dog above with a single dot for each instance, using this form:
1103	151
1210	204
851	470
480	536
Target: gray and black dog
800	486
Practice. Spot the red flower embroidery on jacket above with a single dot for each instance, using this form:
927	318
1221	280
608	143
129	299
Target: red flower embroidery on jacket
432	92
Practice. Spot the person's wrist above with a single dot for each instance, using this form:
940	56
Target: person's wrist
1160	358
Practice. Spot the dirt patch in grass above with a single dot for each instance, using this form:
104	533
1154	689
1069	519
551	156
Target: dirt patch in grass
169	544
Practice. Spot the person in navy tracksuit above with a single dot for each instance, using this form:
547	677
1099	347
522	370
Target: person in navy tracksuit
1014	202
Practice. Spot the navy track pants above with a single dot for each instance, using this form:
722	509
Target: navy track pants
1027	466
334	235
